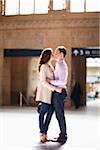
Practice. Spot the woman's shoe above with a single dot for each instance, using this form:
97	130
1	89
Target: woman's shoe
43	138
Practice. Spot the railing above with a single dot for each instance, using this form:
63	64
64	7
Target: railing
22	97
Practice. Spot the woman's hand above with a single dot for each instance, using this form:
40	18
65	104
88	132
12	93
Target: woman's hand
48	80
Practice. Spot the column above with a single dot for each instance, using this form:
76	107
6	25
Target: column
0	7
50	5
1	76
68	5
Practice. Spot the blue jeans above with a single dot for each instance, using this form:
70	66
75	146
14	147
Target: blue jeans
58	104
45	109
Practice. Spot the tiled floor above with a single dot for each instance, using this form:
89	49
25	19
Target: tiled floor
19	129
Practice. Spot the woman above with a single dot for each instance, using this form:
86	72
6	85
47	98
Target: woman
44	92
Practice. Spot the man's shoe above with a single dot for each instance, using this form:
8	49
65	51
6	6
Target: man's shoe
60	139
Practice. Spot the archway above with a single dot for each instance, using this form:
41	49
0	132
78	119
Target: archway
79	68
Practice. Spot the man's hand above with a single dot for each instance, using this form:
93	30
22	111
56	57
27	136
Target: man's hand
58	89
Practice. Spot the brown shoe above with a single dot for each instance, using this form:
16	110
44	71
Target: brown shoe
43	138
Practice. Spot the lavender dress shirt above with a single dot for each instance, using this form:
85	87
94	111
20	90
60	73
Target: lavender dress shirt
60	74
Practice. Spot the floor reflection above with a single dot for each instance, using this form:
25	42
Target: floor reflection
47	146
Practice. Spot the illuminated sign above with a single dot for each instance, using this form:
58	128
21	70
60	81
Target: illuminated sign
88	52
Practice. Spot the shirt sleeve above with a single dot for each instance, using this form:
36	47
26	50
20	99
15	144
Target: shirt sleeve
43	76
62	77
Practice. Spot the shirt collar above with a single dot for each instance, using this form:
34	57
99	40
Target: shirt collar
60	61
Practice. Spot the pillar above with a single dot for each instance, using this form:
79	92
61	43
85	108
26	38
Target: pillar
1	77
68	5
0	7
50	5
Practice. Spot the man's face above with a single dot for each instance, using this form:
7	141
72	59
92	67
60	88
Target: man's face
57	54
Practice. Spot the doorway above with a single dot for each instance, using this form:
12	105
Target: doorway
18	70
92	78
81	72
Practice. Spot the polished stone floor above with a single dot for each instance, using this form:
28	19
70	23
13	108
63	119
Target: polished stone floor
19	129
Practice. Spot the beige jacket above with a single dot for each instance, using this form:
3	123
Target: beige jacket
44	89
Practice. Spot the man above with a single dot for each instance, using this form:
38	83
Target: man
61	75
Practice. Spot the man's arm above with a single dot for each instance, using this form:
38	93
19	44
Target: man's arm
62	77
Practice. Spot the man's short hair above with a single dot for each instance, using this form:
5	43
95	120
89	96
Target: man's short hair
62	49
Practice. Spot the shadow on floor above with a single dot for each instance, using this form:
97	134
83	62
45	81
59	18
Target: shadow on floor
47	146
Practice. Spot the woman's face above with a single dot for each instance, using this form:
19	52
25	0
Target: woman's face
52	57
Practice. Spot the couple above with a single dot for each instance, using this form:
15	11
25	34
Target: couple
51	91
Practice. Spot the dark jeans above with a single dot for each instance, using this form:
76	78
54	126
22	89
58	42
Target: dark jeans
45	113
58	104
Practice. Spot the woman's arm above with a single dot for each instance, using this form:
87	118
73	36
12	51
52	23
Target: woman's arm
43	80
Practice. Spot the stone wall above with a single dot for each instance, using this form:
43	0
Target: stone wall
49	30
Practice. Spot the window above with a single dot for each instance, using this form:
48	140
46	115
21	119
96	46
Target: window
59	4
77	5
92	5
15	7
41	6
26	6
12	7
